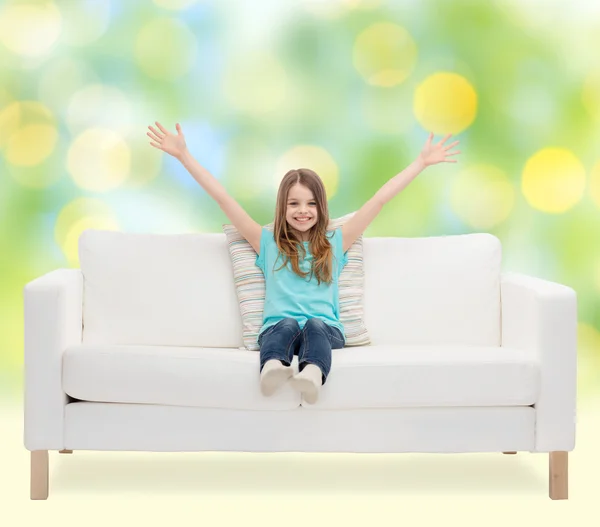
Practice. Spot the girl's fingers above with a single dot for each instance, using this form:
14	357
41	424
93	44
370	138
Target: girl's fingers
451	145
156	132
453	153
155	145
152	136
161	128
445	139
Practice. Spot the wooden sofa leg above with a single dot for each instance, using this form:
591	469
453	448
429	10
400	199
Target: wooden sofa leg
509	452
65	451
39	475
559	475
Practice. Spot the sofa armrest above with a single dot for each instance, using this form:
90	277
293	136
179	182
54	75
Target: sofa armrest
52	322
541	316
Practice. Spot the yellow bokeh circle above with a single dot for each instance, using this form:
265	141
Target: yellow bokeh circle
445	103
28	136
315	158
482	196
385	54
22	113
31	144
99	160
31	29
553	180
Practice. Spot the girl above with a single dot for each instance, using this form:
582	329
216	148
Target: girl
301	261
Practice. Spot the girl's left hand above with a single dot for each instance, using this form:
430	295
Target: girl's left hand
433	154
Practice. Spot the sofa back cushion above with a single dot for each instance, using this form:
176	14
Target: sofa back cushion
158	289
178	289
433	290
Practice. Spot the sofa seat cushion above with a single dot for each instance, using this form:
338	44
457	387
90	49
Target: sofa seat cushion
376	376
168	375
385	376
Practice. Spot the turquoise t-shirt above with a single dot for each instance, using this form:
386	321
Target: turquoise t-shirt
288	295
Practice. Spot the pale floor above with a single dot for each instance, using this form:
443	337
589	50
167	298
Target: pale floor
174	489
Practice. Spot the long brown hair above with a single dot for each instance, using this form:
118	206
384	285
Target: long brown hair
288	241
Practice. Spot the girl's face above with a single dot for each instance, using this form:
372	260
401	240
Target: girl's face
301	204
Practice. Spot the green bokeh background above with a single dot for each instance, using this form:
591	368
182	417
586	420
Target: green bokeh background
261	87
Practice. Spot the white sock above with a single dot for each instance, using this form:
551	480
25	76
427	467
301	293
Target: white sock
274	375
308	382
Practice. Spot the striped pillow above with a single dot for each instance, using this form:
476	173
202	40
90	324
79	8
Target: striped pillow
249	284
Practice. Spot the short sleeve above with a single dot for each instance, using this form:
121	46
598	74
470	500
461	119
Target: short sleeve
261	258
338	244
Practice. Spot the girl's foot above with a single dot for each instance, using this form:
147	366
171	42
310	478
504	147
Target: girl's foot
308	382
274	375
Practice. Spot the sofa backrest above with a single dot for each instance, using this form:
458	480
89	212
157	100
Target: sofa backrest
158	289
178	290
433	290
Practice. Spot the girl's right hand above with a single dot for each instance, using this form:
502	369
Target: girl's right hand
166	141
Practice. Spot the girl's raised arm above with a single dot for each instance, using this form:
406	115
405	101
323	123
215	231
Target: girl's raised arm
174	144
430	155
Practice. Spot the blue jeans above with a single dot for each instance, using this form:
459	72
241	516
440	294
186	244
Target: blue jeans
312	344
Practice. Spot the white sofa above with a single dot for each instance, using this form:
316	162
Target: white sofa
141	350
